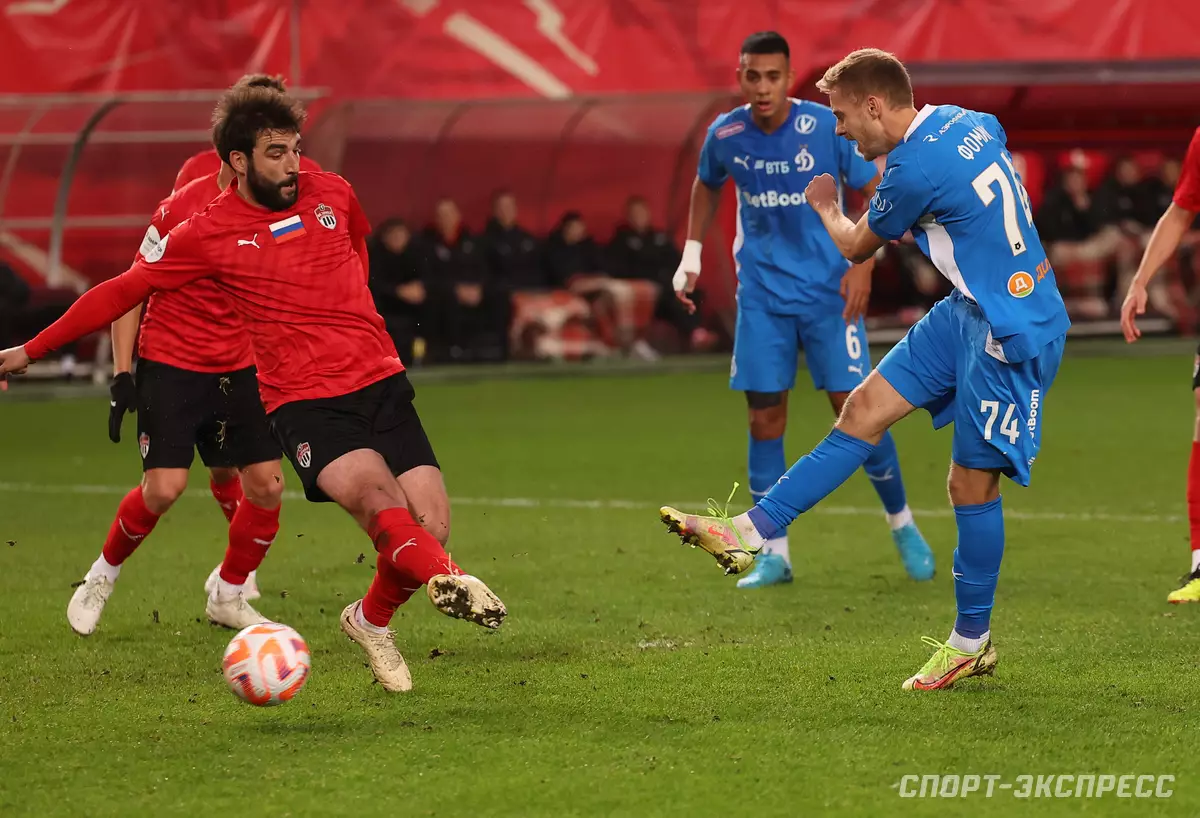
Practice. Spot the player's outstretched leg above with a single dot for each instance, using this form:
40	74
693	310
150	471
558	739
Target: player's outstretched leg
968	651
733	541
251	533
883	469
134	521
226	487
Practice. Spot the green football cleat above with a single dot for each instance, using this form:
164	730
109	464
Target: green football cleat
1189	591
716	534
949	664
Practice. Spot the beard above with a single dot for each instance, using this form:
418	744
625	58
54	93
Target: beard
270	194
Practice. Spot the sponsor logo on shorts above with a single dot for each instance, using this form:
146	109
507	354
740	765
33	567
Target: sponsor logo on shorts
325	216
1035	402
1020	284
144	444
304	455
730	129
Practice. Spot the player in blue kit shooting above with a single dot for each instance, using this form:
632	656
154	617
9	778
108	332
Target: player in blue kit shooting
982	359
794	288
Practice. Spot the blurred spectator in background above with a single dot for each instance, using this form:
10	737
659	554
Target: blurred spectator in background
1080	247
1126	202
468	313
397	281
640	252
512	252
547	323
623	308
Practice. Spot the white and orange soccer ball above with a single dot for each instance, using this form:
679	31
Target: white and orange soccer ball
266	664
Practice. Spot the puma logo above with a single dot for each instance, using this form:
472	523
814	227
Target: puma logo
253	242
744	161
125	531
396	553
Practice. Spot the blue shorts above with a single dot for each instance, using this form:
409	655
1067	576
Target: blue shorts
942	365
766	350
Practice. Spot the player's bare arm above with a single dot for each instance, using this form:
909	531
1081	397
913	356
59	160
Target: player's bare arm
1164	241
855	241
702	208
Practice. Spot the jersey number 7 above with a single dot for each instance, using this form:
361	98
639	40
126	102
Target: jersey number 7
993	174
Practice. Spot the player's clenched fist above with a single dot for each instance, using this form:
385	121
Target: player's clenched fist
13	361
684	280
821	191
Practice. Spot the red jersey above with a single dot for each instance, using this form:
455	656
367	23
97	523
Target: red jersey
206	162
1187	192
194	328
297	278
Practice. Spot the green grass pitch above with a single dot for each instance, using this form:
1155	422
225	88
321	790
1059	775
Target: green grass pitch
631	677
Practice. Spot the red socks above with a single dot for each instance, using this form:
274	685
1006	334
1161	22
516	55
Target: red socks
251	532
227	495
389	590
1193	495
409	556
133	524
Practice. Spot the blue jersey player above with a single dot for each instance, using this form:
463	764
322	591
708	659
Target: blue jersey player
794	288
982	359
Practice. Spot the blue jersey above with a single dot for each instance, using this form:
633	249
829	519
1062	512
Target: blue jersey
786	262
952	182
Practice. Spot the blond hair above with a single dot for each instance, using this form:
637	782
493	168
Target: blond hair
867	72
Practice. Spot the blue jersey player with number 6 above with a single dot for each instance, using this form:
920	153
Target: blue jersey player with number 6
794	288
982	359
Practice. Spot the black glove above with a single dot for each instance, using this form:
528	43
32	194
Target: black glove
124	399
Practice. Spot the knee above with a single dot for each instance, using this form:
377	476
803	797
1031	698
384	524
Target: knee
972	487
857	417
263	485
768	415
436	523
161	490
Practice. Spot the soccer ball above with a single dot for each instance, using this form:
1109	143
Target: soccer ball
266	664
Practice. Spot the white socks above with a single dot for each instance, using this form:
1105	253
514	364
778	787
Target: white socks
968	645
749	533
101	568
1195	560
900	519
779	546
364	624
226	591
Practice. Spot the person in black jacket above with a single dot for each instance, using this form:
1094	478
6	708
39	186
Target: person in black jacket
513	253
471	309
639	251
397	280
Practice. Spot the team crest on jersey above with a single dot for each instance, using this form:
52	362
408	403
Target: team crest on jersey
730	129
304	455
144	444
325	216
806	124
804	161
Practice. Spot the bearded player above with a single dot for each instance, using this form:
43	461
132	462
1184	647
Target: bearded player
289	248
794	288
195	391
1164	241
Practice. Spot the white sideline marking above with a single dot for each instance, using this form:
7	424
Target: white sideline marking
637	505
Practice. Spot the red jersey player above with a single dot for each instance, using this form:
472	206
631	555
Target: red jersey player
1165	240
196	390
290	249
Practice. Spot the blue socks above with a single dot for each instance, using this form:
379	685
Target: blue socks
977	565
883	467
767	465
809	481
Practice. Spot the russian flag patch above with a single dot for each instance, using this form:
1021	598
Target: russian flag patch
287	229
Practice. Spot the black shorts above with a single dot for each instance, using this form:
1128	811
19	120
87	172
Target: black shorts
314	433
220	415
